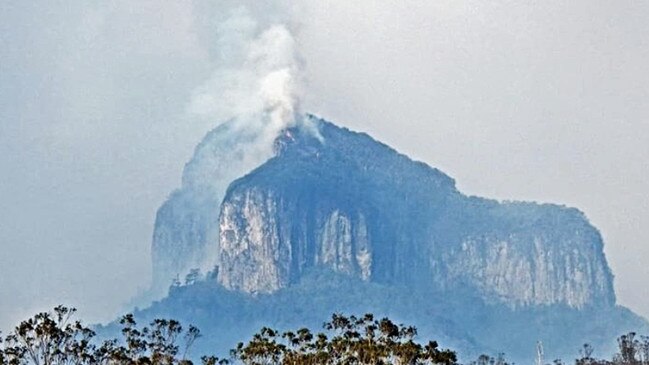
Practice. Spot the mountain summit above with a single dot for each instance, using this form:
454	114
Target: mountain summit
334	213
357	207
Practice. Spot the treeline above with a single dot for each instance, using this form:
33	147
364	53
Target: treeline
56	338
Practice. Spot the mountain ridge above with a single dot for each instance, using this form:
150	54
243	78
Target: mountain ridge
349	182
372	220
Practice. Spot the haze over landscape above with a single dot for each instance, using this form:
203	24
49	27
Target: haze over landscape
102	104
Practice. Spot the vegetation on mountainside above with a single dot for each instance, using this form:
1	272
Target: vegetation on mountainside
57	339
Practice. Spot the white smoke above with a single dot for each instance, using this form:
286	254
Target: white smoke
252	95
257	81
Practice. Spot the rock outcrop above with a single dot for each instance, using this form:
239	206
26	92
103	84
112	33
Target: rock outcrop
358	207
333	221
185	236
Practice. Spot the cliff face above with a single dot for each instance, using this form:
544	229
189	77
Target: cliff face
356	206
346	202
337	222
526	270
261	250
186	231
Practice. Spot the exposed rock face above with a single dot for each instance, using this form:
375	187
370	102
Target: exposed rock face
260	248
356	206
343	223
252	253
526	270
186	226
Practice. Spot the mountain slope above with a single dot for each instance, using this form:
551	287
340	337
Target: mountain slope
358	207
459	320
336	221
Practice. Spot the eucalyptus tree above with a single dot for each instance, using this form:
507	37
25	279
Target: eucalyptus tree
346	341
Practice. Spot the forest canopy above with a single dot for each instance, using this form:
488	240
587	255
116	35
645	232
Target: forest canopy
57	338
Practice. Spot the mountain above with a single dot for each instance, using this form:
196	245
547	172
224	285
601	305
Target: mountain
336	221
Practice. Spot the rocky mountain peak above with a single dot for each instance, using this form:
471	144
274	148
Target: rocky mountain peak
331	220
356	206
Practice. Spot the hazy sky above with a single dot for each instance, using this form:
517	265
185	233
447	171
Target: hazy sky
545	101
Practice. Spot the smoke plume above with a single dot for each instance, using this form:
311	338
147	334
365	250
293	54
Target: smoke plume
253	94
257	82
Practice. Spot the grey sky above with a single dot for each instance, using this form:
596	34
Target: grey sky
543	101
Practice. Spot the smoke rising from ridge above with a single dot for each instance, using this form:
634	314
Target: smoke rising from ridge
252	95
516	101
257	82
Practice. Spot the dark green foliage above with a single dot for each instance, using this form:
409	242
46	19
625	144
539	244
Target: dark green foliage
54	339
457	319
49	339
347	340
632	350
